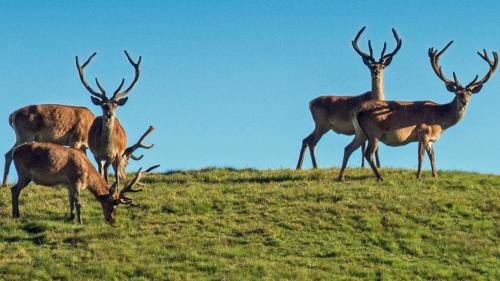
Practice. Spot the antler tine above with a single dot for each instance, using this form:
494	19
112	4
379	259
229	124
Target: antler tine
456	79
434	55
356	48
140	144
135	157
81	71
99	86
119	87
370	48
383	51
128	188
399	43
493	66
117	95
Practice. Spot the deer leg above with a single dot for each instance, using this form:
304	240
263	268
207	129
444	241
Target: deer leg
15	192
370	150
71	205
363	148
316	136
76	199
420	158
377	158
105	170
302	151
430	153
8	161
348	150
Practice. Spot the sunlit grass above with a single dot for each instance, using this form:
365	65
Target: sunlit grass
225	224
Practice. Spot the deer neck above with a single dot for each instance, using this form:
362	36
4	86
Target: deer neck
97	185
452	113
108	127
377	92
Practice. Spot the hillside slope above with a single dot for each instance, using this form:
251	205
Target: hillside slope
224	224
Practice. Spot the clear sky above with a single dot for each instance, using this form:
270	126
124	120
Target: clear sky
227	83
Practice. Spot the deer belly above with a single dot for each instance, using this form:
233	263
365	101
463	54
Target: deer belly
44	178
399	137
345	128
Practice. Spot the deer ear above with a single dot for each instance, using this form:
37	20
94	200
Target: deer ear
388	61
95	100
450	87
122	101
476	89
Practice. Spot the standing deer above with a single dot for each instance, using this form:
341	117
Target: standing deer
107	138
399	123
55	123
51	164
336	112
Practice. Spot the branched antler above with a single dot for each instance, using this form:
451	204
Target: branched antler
117	94
129	186
81	71
139	144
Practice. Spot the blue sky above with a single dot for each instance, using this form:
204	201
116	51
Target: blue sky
227	83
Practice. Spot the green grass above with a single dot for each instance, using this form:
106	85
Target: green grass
225	224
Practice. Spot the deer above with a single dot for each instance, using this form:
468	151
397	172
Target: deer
336	112
51	164
107	138
55	123
397	123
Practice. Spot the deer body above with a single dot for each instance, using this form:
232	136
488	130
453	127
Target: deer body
107	138
55	123
337	112
399	123
107	141
51	164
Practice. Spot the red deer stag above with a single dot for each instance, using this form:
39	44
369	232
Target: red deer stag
336	112
51	164
55	123
107	138
398	123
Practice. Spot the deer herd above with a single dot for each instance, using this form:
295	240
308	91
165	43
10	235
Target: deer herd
52	139
395	123
51	143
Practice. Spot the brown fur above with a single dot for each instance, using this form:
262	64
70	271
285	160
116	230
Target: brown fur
399	123
337	112
51	164
108	149
107	137
55	123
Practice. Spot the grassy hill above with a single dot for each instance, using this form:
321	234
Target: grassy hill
224	224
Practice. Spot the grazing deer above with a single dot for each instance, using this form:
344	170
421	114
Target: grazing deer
336	112
55	123
107	138
51	164
398	123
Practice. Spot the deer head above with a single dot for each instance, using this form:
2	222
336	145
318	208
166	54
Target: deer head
111	201
462	93
377	67
129	151
99	98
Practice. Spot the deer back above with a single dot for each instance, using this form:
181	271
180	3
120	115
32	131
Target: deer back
60	124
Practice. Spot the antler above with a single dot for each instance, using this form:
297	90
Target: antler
493	65
129	186
434	58
386	59
139	144
81	69
117	94
366	58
